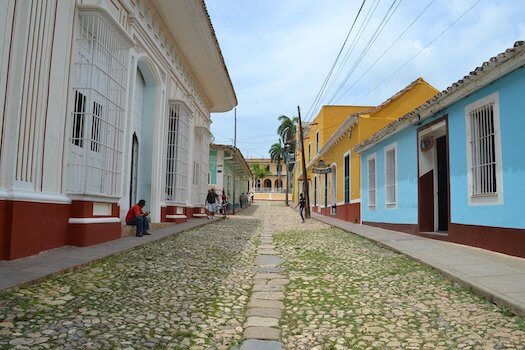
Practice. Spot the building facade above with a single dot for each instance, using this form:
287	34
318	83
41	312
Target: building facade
338	192
273	182
104	102
452	169
316	134
228	172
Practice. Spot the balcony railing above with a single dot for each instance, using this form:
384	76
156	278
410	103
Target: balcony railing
269	190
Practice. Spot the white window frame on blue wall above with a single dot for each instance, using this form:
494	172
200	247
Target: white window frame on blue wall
479	191
368	160
390	176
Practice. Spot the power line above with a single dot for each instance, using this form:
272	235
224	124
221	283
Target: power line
336	59
353	45
417	54
392	9
387	49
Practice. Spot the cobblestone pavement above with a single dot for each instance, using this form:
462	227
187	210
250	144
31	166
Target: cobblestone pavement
188	291
192	291
346	292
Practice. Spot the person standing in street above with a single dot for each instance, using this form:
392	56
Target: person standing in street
211	200
302	205
137	217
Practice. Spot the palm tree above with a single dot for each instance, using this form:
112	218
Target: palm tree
259	172
287	130
278	155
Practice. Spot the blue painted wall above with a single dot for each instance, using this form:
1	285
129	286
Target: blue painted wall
511	213
406	211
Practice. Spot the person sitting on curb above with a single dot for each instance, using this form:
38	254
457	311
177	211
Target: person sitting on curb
136	216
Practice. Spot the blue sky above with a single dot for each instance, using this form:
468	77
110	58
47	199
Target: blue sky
278	53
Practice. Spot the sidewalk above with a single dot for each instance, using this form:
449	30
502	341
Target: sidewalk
499	278
38	267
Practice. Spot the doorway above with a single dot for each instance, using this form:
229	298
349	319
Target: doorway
433	181
442	184
134	170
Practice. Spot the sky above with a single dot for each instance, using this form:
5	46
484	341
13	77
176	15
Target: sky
279	53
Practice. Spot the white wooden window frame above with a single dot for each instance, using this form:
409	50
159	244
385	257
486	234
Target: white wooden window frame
372	157
389	203
489	198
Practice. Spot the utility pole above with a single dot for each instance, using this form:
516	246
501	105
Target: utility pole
235	149
303	161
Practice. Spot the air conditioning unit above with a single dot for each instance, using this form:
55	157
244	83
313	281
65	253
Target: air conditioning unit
426	143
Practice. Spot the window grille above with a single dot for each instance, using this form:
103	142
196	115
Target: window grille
372	182
347	178
177	154
99	92
390	177
483	151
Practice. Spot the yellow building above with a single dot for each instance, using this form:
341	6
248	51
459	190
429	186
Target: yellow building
337	192
272	186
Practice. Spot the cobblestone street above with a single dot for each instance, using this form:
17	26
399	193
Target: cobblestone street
199	290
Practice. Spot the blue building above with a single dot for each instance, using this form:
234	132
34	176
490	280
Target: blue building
454	168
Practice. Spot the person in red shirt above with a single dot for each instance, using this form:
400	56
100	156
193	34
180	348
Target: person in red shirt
136	216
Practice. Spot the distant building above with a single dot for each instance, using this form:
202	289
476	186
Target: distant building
104	102
270	182
228	172
454	169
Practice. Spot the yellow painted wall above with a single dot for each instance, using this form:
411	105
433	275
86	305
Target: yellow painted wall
367	125
327	122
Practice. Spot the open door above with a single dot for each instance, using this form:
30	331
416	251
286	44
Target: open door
433	181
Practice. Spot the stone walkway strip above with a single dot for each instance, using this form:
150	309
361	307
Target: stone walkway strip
266	303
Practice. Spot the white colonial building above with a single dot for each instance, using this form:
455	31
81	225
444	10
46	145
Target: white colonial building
103	103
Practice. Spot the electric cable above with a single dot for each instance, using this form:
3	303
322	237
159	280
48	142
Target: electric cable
387	49
335	62
417	54
371	41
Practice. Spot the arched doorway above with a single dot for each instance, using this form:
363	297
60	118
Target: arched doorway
267	185
134	170
278	184
142	125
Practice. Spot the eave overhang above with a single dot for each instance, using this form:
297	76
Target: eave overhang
190	25
491	70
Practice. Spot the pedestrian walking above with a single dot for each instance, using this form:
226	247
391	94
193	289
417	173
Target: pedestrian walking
211	200
137	217
302	205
